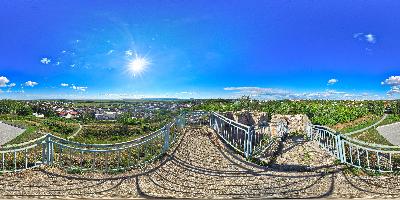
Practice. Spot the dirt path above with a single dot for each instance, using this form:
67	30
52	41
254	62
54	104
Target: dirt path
76	132
202	167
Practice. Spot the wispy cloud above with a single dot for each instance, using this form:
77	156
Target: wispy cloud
277	94
367	37
393	90
31	83
257	91
45	61
129	52
332	81
79	88
11	85
64	84
110	52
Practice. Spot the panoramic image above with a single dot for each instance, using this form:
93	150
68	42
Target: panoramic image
221	99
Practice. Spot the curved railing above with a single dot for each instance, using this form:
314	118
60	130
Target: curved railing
369	156
251	141
53	150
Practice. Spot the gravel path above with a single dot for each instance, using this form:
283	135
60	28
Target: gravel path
202	167
7	132
366	128
391	132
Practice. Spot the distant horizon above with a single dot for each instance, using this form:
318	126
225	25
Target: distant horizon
337	50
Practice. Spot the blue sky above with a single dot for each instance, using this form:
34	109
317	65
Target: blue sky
200	49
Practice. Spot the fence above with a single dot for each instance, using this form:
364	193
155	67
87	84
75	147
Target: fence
369	156
52	150
251	141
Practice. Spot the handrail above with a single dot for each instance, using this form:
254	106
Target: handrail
231	121
25	143
355	140
48	149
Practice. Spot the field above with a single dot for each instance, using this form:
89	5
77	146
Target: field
36	127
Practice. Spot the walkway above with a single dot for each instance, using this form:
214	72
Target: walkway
366	128
391	132
8	132
202	167
76	132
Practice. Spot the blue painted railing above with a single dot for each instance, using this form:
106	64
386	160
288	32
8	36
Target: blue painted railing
356	153
53	150
251	141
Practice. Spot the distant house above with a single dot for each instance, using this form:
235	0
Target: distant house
38	115
106	116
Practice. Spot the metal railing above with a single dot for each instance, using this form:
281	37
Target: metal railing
251	141
53	150
368	156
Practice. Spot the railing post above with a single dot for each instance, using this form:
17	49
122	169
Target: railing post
249	142
50	150
166	138
339	148
309	130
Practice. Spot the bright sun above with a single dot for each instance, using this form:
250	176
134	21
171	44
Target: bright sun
138	65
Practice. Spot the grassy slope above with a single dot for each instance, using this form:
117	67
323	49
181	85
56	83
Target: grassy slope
33	126
373	136
356	124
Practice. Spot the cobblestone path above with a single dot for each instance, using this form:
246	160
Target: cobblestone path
200	166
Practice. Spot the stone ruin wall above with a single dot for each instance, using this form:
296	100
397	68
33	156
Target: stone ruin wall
296	123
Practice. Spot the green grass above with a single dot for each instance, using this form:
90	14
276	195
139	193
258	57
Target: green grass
29	134
363	124
372	135
390	119
35	125
356	125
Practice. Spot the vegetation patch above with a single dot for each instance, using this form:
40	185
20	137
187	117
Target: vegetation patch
357	124
372	136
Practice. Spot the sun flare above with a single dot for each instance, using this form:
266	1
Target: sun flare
138	65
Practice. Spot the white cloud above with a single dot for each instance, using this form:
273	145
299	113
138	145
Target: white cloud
3	81
393	81
370	38
73	65
45	61
11	85
64	84
58	63
83	89
332	81
129	52
31	83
